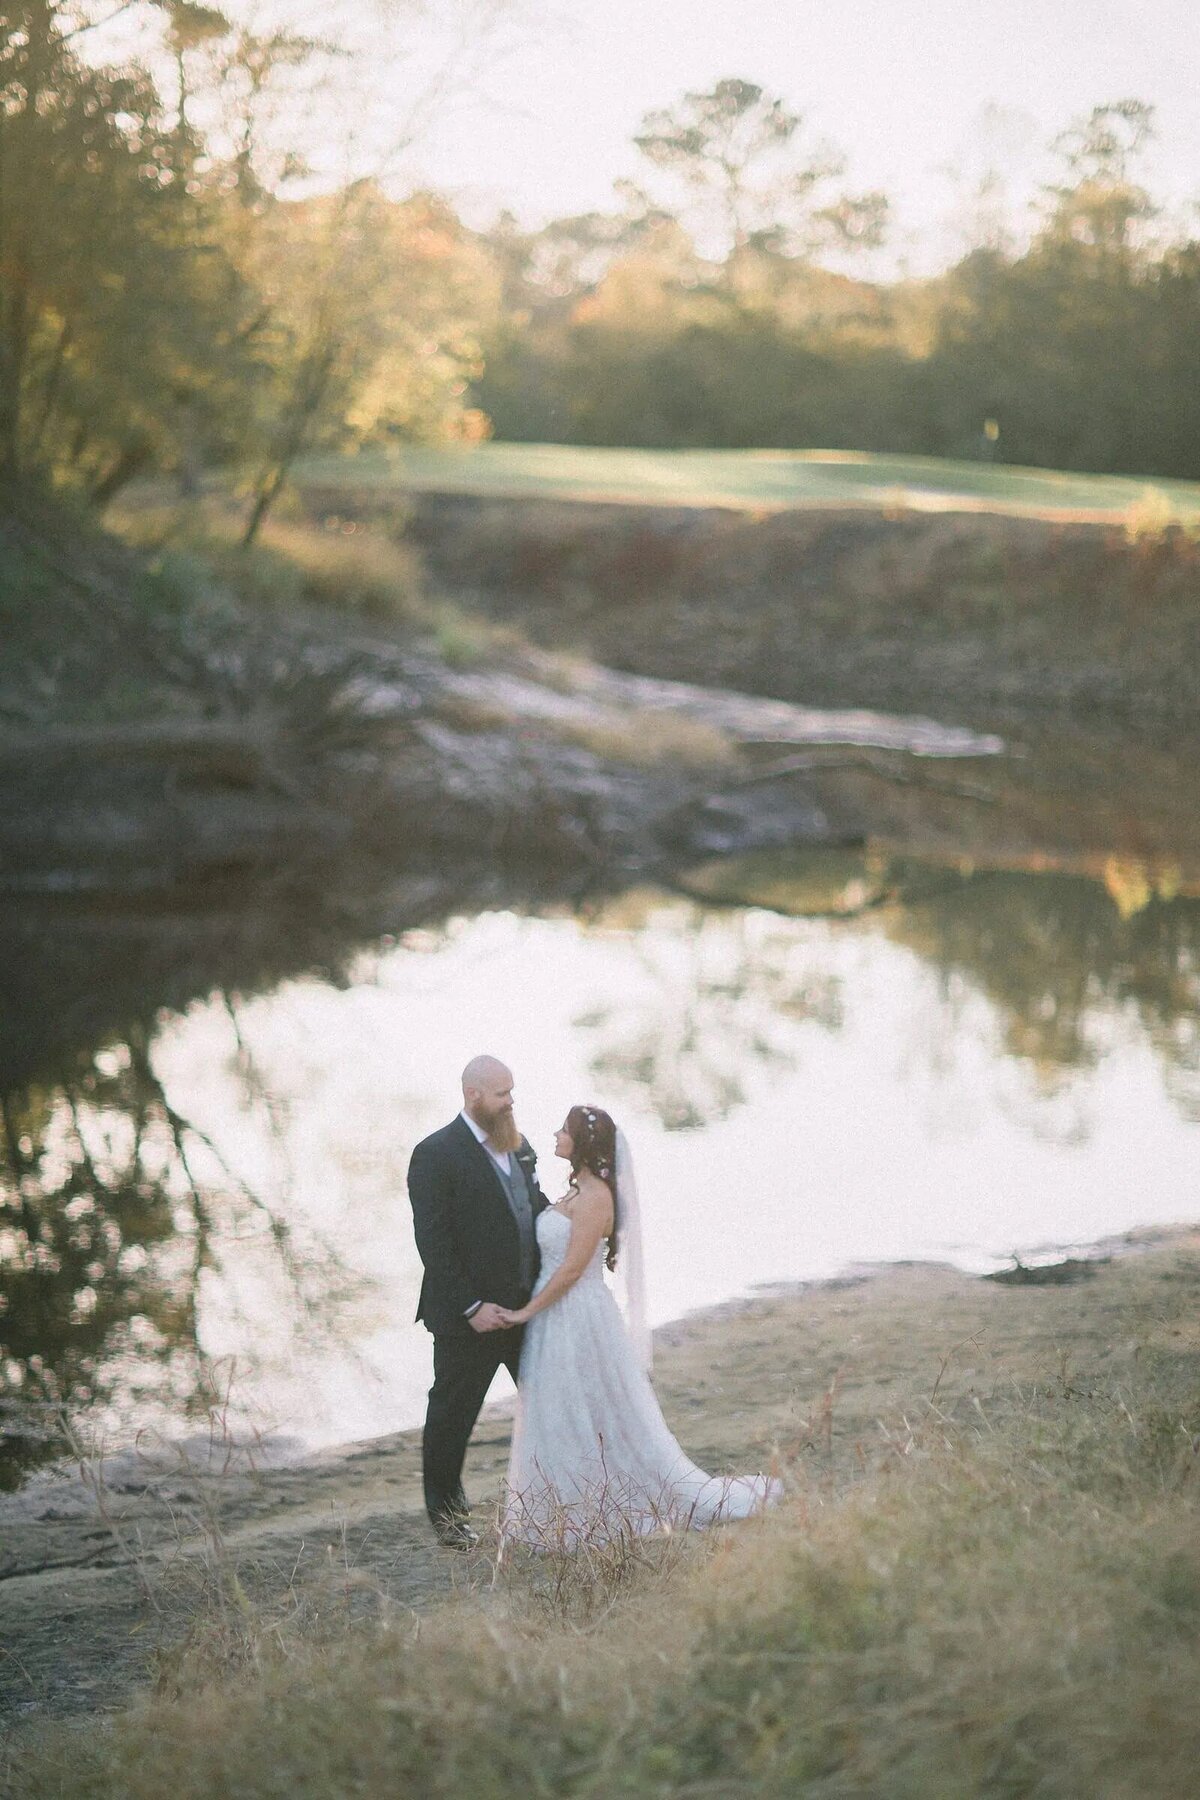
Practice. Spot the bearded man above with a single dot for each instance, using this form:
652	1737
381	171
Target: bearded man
475	1197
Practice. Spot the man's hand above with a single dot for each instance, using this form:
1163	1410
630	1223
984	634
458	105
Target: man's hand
488	1317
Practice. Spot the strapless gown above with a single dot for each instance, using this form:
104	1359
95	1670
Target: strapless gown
592	1456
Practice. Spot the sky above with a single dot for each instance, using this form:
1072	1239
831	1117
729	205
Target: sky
900	85
920	95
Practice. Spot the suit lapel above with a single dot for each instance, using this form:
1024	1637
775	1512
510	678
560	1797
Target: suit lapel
483	1160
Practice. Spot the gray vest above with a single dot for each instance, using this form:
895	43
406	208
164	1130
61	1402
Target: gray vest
516	1187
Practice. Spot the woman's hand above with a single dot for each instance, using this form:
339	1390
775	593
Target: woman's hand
507	1316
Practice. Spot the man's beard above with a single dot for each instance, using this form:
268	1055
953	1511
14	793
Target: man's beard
501	1129
503	1133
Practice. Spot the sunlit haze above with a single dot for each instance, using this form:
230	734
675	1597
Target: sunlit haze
903	89
531	106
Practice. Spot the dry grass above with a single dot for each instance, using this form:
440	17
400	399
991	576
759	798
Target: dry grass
338	562
346	564
357	566
1004	1602
466	640
1154	519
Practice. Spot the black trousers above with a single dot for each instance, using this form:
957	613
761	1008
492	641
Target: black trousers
463	1367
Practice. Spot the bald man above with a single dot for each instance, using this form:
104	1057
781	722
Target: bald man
475	1197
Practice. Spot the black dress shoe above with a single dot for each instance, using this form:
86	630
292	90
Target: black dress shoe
456	1534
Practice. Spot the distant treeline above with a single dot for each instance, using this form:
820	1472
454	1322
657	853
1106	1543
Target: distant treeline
1066	357
1076	351
168	303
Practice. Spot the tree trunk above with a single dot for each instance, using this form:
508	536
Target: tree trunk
312	384
265	498
50	390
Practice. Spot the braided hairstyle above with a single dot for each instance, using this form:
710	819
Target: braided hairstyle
594	1147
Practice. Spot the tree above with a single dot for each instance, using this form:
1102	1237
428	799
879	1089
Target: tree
735	154
190	30
376	312
992	155
115	294
162	302
1097	202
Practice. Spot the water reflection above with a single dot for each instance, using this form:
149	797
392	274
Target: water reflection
116	1211
99	1250
718	997
1059	966
1060	956
823	1059
113	1205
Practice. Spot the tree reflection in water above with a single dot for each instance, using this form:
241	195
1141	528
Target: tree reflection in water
113	1207
723	994
1061	957
1064	965
103	1239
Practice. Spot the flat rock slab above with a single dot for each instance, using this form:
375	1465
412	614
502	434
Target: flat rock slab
586	692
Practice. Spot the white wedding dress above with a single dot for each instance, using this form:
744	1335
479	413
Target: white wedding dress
592	1457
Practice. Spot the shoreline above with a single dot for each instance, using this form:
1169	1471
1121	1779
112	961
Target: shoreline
95	1585
283	1451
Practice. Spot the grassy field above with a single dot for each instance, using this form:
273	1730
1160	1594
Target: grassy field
753	479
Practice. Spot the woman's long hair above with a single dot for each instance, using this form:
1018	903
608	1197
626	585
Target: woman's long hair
594	1147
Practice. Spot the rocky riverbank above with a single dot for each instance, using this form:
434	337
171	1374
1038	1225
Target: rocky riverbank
681	683
168	746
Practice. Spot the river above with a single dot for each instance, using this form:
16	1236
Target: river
821	1061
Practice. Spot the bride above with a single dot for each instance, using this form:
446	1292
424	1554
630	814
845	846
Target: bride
592	1457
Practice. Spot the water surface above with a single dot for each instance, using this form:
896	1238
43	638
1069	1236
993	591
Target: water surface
891	1060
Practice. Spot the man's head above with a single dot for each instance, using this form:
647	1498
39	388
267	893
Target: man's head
488	1097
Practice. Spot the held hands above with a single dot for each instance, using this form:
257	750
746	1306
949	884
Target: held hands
488	1317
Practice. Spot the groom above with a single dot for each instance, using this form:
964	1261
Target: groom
475	1198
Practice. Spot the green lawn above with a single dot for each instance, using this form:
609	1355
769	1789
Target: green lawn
757	478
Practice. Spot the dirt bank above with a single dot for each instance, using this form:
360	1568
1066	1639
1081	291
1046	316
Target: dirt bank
95	1588
970	616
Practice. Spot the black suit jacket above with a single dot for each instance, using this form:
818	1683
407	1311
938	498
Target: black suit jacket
466	1234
